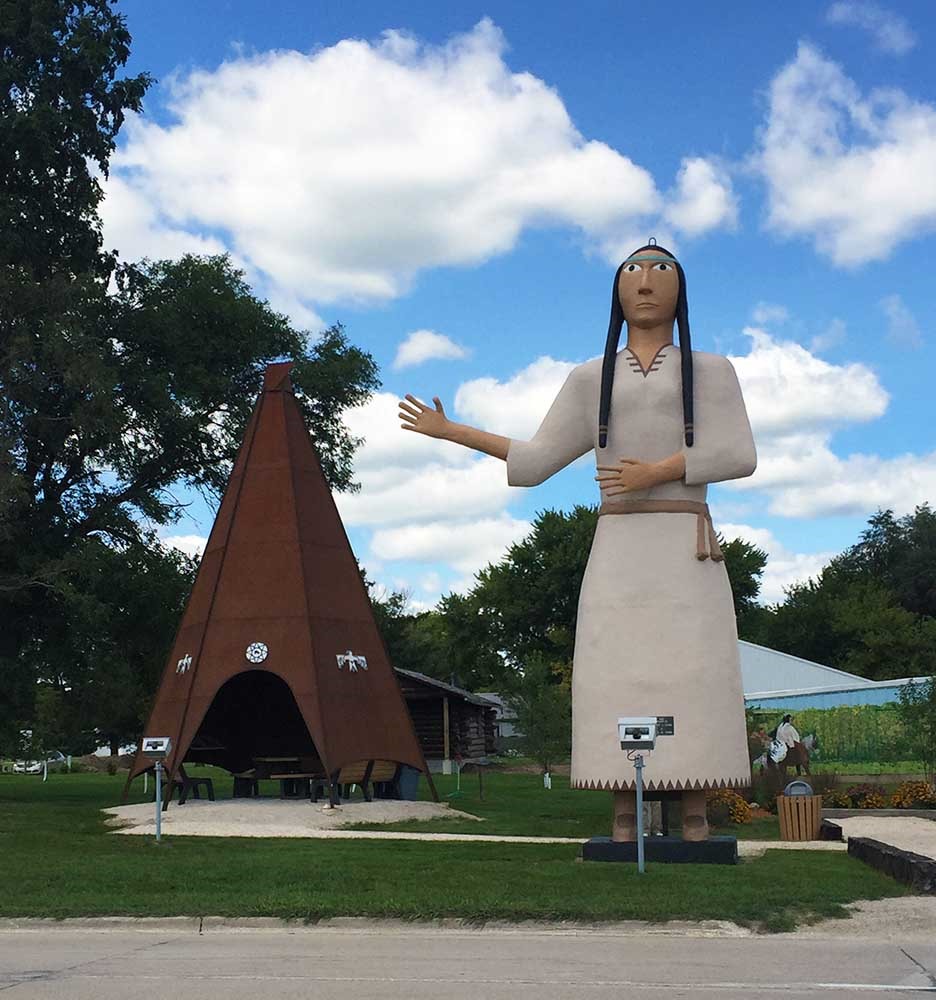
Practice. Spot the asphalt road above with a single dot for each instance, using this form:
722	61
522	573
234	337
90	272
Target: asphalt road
394	961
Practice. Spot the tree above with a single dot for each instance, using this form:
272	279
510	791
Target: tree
105	652
543	710
900	553
530	598
745	564
853	624
917	710
118	382
450	643
61	107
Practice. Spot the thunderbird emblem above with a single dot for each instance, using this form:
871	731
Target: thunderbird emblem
352	662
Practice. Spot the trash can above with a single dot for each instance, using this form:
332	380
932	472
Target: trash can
800	812
408	783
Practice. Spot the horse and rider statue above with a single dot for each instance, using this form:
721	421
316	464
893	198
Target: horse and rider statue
786	749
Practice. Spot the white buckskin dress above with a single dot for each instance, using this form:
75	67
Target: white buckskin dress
656	632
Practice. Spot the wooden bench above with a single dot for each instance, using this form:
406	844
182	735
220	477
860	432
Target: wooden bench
368	773
246	785
309	772
185	785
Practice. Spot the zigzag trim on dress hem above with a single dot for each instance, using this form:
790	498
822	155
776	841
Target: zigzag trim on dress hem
669	786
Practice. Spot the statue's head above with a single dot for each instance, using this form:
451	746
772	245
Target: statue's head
649	290
648	285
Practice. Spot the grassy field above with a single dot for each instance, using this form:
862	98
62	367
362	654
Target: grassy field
867	767
518	805
59	861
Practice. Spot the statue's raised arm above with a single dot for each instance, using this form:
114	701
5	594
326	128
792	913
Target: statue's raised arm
416	416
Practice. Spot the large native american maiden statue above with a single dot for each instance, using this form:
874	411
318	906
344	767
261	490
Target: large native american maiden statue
656	631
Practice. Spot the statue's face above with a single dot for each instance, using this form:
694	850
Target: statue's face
648	289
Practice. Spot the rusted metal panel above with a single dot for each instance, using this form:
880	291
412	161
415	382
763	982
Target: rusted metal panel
279	590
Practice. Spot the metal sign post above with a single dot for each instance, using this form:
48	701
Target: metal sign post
158	800
638	767
638	736
157	748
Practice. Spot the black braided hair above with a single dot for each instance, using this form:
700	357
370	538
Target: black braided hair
615	325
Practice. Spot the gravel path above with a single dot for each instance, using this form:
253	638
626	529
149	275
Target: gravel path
279	818
272	817
909	833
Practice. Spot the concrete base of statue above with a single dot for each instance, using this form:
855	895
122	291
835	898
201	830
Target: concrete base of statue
666	850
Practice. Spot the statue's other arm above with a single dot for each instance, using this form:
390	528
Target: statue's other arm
566	433
724	445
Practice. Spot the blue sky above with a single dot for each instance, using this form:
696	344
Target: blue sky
472	174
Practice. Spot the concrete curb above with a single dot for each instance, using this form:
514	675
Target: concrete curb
357	925
902	813
915	870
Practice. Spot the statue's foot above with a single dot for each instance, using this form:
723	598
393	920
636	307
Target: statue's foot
695	828
694	820
625	828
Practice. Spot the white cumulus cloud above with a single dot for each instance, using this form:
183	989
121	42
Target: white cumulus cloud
784	568
341	173
191	545
787	389
408	477
703	199
888	30
853	172
514	407
467	546
427	345
902	327
766	313
796	403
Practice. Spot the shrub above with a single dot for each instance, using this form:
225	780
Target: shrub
764	790
725	805
917	712
758	741
836	798
112	766
858	793
825	781
873	800
914	795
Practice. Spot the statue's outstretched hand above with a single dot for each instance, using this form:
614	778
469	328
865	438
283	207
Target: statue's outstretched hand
630	476
416	416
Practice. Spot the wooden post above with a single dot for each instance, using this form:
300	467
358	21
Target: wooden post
446	743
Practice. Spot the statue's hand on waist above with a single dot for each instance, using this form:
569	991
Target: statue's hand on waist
631	475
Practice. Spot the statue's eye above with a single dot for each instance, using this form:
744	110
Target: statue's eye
662	266
631	268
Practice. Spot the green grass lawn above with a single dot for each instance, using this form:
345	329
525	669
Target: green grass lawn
59	861
867	767
517	805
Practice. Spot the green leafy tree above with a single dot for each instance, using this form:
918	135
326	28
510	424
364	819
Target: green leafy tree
62	104
917	711
529	599
854	624
105	652
745	564
899	553
449	643
542	707
118	383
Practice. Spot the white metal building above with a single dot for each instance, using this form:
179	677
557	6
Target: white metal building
773	679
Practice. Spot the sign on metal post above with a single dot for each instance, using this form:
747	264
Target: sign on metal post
638	735
157	749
